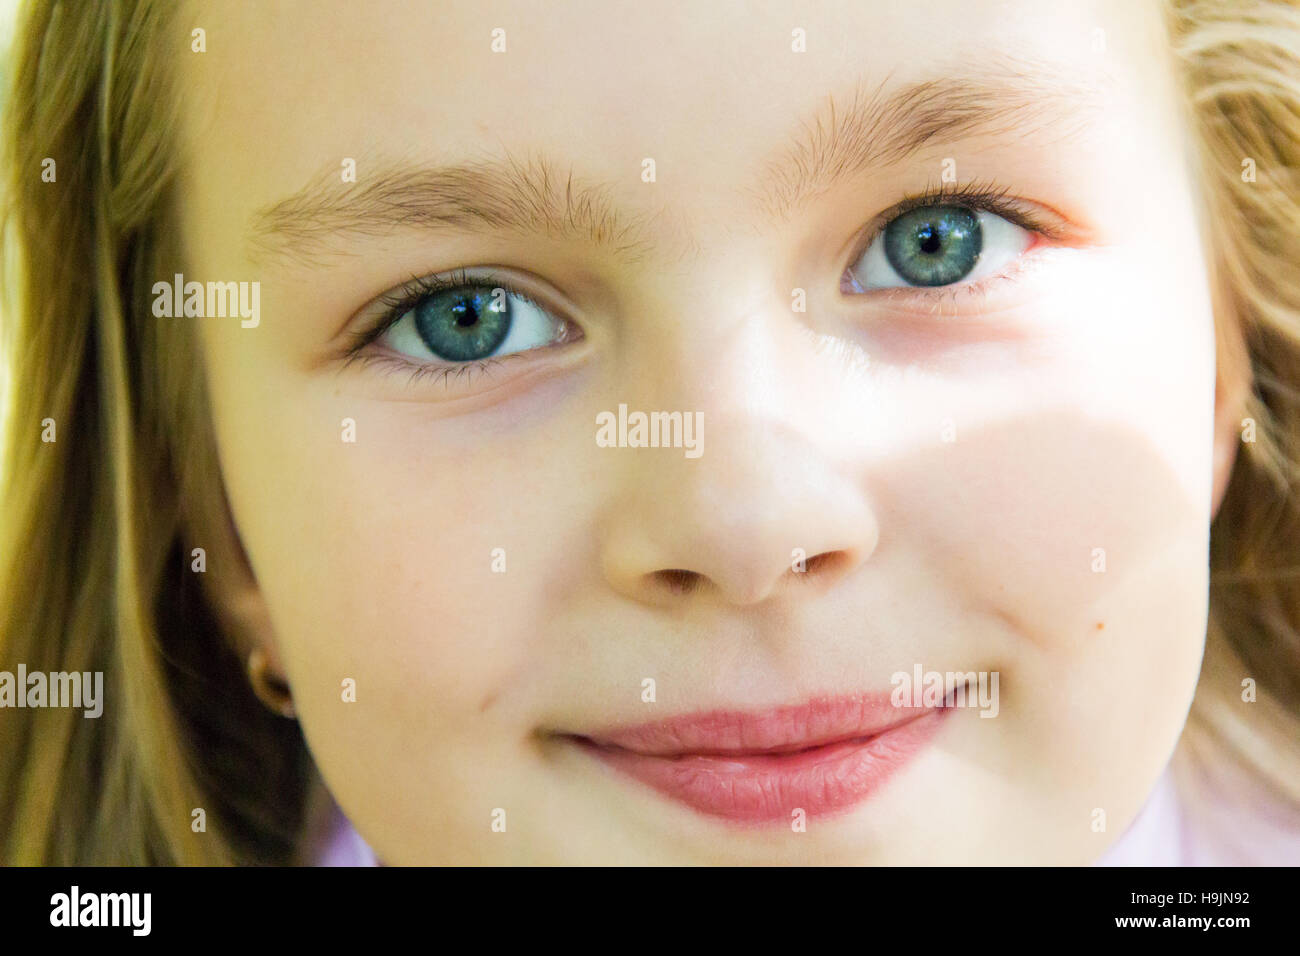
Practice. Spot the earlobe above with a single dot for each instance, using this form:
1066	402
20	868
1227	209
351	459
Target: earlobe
244	615
229	585
236	600
269	685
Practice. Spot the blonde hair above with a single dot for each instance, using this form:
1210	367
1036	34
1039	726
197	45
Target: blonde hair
94	567
1240	66
93	572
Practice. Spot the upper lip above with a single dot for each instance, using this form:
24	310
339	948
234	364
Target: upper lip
787	729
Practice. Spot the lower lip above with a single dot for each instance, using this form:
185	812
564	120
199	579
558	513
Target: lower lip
758	789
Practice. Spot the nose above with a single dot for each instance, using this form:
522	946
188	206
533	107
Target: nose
766	510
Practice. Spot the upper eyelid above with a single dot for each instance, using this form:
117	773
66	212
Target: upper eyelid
397	302
418	288
988	197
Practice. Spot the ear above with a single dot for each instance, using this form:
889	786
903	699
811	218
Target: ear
232	591
243	614
1234	381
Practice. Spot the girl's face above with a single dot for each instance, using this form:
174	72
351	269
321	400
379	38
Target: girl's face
988	429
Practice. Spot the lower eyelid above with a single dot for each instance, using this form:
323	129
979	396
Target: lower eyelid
458	378
467	387
933	299
393	363
568	331
874	256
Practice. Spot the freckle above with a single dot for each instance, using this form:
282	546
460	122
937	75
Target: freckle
1101	626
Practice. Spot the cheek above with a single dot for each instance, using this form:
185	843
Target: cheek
1071	510
405	575
1082	547
1056	521
417	567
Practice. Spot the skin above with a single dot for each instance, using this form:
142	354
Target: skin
1080	394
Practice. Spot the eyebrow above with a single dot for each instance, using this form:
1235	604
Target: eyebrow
1014	97
528	196
537	196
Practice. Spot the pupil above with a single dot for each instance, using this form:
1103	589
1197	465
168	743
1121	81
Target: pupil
465	314
930	243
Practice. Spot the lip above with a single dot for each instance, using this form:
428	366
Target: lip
756	768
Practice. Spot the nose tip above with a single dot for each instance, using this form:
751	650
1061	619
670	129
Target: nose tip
776	507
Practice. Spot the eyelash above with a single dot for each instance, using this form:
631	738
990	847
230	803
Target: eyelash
419	373
987	196
398	303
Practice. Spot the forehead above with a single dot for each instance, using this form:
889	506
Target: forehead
714	93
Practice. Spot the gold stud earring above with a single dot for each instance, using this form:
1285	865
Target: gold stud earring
270	688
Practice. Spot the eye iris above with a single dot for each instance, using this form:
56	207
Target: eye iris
464	325
934	245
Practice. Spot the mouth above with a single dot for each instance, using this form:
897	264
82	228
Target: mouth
823	757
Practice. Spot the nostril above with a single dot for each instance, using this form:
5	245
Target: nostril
824	564
677	580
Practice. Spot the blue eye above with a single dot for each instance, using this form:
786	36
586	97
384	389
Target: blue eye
471	322
935	246
939	245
